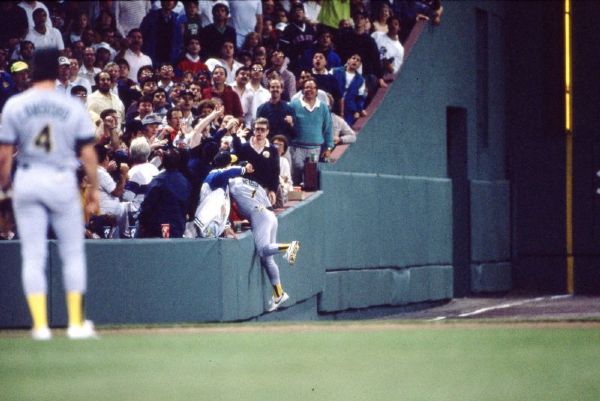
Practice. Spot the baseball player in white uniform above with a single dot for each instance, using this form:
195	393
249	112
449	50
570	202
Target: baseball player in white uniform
49	129
253	203
212	214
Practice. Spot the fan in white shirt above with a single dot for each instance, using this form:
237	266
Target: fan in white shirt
43	36
260	94
391	51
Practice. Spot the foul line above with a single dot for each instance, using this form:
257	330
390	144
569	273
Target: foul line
503	306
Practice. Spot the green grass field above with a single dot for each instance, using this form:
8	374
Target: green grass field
366	361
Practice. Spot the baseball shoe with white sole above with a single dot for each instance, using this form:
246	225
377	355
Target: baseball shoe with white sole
43	334
84	332
292	252
276	302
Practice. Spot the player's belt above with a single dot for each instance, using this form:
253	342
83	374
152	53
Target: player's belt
28	165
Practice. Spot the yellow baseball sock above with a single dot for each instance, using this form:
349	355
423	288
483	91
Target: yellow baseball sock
38	309
284	247
75	308
277	290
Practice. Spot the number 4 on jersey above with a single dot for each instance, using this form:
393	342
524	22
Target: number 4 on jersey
43	140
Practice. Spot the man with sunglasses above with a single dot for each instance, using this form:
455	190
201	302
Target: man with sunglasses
263	156
260	94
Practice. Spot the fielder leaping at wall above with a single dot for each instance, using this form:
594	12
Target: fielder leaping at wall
253	203
212	214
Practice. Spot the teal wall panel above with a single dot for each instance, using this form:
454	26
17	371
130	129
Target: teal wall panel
490	221
242	278
13	304
419	211
246	288
383	220
353	222
430	283
491	277
356	289
306	223
179	281
146	281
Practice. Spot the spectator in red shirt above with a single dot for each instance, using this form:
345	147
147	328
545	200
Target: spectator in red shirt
230	99
191	60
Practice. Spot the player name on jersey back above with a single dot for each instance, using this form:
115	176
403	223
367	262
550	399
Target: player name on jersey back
46	126
248	194
46	108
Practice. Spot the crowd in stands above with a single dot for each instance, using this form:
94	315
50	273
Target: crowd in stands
171	84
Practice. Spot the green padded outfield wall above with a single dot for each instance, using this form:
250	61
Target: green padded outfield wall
13	307
392	190
179	281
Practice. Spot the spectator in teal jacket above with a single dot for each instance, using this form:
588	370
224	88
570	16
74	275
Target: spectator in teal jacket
314	134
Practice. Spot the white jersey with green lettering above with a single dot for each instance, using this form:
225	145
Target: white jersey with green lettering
47	127
249	195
